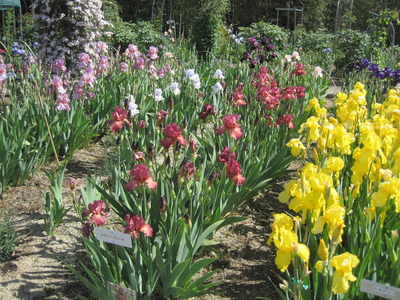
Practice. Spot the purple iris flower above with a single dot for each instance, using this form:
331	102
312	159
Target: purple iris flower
373	68
363	64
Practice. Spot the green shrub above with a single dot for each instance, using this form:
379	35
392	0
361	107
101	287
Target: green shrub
351	46
141	33
316	41
7	237
277	35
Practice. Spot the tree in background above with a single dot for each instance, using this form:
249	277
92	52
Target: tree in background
207	24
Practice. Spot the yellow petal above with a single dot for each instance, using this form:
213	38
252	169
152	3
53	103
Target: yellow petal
282	260
319	266
339	285
303	252
322	250
318	226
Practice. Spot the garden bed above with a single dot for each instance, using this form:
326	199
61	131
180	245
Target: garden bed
36	271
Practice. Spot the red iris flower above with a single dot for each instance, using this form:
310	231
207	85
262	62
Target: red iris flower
289	93
172	133
187	169
96	209
226	155
135	224
299	71
140	176
229	123
286	119
233	172
208	109
119	116
300	91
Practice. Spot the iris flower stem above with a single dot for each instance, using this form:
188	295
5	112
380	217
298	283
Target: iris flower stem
47	126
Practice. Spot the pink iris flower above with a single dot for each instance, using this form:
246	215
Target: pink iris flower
208	109
226	155
96	210
238	96
286	119
123	66
229	124
119	116
233	172
140	176
72	182
153	53
172	133
136	224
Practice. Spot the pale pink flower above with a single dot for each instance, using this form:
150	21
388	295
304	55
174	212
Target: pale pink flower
317	72
123	66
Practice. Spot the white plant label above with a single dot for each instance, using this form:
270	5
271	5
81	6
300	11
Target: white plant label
113	237
116	292
379	289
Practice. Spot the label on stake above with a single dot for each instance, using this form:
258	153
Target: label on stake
113	237
379	289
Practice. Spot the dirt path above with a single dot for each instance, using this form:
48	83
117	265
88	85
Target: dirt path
36	270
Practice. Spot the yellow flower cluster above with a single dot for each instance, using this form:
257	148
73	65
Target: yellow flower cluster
360	145
286	240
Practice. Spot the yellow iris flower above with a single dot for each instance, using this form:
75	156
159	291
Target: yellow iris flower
296	147
285	239
343	264
288	247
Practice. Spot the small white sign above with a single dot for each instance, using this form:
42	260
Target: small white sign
116	292
379	289
113	237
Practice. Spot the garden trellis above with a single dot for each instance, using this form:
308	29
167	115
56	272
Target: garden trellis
11	4
289	10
